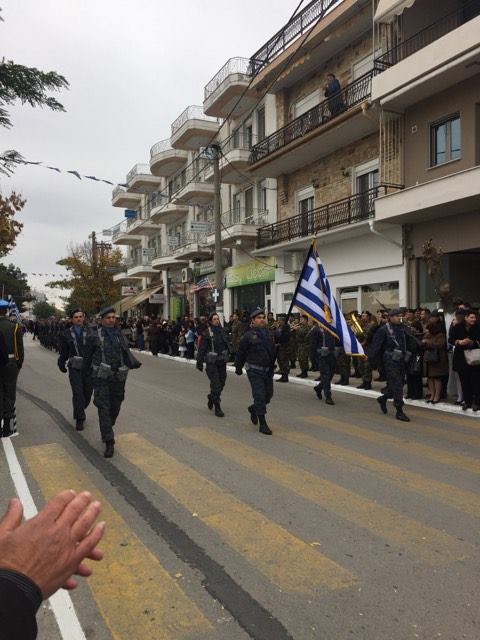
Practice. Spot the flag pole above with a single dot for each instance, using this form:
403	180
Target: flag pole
298	283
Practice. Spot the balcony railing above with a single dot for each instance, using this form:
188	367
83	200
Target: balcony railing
192	237
244	216
194	112
137	170
143	261
239	140
118	229
356	208
234	65
433	32
158	147
117	191
313	12
351	95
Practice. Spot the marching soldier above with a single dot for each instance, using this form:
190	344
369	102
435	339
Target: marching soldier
238	329
12	343
214	350
344	364
369	326
393	346
257	352
325	346
283	339
72	345
302	334
108	356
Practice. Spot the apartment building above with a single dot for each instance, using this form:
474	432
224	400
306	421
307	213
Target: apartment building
428	88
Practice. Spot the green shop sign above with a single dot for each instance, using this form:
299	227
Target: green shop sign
250	273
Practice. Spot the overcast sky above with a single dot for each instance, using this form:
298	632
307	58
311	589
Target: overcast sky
132	67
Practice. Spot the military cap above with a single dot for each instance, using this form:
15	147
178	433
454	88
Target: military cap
257	312
75	310
4	304
105	310
395	312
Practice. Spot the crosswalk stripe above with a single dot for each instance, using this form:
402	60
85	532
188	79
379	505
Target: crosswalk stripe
449	418
458	460
289	562
430	545
461	499
138	598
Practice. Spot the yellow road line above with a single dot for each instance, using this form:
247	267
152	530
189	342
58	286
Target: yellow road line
289	562
137	597
450	418
458	460
428	544
461	499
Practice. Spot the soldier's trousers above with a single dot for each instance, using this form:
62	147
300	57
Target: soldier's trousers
303	359
217	374
8	391
82	390
108	397
262	389
283	360
327	366
395	375
365	369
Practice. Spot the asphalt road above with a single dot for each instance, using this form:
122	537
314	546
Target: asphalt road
344	524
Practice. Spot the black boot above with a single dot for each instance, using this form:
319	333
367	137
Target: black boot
318	391
210	402
264	428
253	415
218	410
361	386
79	425
8	428
382	401
283	378
401	416
109	449
329	399
367	386
302	374
343	381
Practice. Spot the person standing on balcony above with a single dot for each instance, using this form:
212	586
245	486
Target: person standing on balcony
214	350
332	91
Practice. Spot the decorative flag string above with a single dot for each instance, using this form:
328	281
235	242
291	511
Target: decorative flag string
73	172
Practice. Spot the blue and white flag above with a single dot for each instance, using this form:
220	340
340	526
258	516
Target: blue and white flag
314	297
13	310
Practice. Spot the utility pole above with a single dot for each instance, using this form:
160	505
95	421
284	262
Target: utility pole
217	213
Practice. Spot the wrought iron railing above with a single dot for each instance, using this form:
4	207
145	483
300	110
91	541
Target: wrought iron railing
356	208
333	106
232	66
313	12
192	237
244	216
158	147
239	140
193	112
139	260
426	36
137	170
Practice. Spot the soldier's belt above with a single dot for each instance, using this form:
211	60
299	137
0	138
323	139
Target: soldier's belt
256	367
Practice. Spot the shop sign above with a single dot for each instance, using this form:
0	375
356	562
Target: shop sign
148	252
252	272
130	214
173	241
129	291
200	227
156	298
204	268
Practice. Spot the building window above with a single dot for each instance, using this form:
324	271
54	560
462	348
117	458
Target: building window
445	142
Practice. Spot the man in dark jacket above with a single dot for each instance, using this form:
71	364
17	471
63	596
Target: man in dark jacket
214	350
13	343
324	344
73	343
257	351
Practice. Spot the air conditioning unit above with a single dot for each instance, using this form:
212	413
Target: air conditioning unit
187	274
293	262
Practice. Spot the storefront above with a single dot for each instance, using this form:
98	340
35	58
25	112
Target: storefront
249	284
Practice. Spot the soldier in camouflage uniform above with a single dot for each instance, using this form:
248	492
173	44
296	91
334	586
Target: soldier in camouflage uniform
302	334
292	349
369	326
344	363
282	334
238	329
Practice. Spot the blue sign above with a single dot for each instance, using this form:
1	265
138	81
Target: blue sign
129	213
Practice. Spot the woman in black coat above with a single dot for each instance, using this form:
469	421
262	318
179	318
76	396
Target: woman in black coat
465	335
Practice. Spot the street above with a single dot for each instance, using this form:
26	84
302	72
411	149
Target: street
344	524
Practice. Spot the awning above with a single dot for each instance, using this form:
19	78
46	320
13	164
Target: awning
388	9
132	301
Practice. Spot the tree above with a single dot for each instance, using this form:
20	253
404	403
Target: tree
433	260
9	227
44	310
14	283
90	276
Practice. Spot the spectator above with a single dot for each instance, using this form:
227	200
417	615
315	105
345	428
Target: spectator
182	343
464	336
424	318
153	335
140	339
332	91
435	359
190	341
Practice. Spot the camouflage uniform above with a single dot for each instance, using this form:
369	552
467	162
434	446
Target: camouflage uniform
283	355
303	344
238	329
292	349
343	366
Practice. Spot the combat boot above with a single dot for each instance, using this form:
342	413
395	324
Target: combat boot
318	391
253	415
79	425
284	378
401	416
302	374
329	399
343	381
210	402
367	386
264	428
109	449
218	410
382	401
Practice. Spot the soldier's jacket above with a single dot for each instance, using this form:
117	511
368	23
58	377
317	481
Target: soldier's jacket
12	333
257	348
238	330
217	342
115	349
303	338
67	342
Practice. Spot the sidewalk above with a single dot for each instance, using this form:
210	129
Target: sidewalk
351	389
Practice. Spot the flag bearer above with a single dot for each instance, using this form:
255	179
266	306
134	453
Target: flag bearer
12	352
257	351
214	350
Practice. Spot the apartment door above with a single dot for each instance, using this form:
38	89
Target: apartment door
260	124
306	202
236	209
366	179
249	213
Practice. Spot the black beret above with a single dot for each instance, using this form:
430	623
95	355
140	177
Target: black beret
105	310
257	312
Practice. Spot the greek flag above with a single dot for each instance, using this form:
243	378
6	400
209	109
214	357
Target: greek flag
314	297
13	309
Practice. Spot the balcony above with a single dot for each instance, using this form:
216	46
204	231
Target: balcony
124	199
332	124
140	180
342	213
222	94
167	259
142	267
165	161
121	235
194	188
436	58
168	213
239	225
193	246
123	278
234	162
193	129
454	194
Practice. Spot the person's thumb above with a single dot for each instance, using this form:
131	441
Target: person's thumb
13	516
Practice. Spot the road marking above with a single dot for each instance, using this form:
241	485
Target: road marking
460	421
461	499
458	460
285	559
137	597
61	603
430	545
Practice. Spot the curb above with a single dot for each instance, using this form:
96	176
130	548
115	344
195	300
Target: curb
444	407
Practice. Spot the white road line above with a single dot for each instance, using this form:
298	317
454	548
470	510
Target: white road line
60	603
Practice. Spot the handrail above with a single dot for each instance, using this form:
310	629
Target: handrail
239	140
244	216
138	170
193	112
429	34
355	208
333	106
314	11
158	147
233	65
